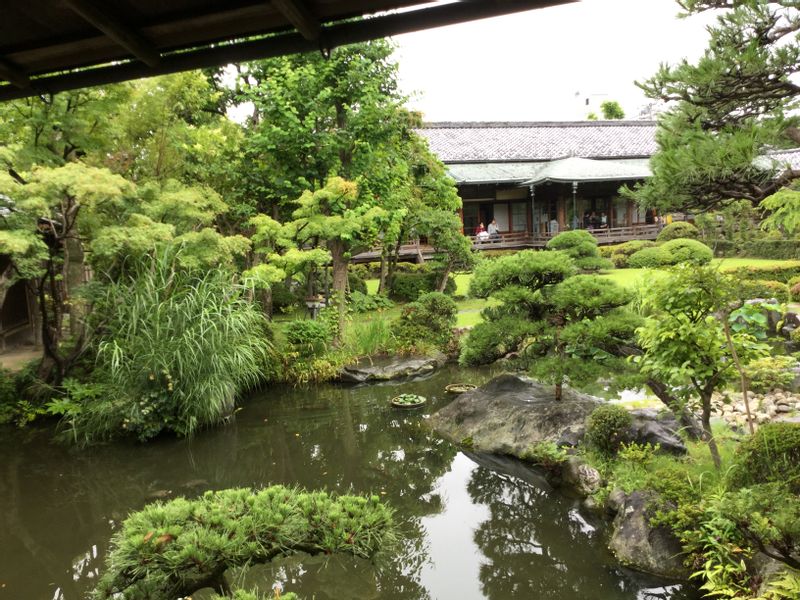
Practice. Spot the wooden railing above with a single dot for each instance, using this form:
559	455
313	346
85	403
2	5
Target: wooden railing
521	239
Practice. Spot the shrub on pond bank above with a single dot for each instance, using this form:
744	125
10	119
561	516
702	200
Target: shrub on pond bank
175	348
429	320
171	549
607	427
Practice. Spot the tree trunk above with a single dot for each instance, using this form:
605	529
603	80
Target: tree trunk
687	420
442	285
559	391
340	263
384	270
74	270
708	436
393	259
726	327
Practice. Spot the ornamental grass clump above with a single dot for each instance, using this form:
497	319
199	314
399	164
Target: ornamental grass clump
171	549
176	348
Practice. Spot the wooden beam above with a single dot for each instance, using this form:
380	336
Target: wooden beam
130	39
12	73
279	45
297	13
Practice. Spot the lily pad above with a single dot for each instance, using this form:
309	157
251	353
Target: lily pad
408	401
459	388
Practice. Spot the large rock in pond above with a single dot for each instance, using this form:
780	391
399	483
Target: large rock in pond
391	368
641	546
511	413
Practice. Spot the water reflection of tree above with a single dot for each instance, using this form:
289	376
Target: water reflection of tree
534	545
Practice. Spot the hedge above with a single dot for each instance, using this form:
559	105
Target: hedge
773	249
671	253
783	273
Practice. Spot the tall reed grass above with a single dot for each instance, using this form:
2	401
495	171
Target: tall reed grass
176	348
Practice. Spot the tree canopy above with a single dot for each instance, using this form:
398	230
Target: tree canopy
727	110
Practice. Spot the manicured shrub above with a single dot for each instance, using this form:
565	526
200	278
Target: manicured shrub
794	289
494	338
671	253
780	272
172	549
430	320
772	454
581	247
623	252
307	337
774	249
680	229
761	288
647	258
607	427
770	373
683	250
407	287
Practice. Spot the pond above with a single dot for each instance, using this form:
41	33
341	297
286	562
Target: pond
470	526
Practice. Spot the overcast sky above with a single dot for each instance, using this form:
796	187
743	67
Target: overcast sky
542	64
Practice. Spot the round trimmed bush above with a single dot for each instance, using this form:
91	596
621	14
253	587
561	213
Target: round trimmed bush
621	253
647	258
581	247
681	229
671	253
430	319
683	250
607	427
772	454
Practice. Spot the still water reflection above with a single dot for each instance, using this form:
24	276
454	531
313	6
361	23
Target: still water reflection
471	526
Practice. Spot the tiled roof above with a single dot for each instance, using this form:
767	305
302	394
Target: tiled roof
539	141
566	169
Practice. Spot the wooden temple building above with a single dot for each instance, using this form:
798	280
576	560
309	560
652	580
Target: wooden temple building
540	178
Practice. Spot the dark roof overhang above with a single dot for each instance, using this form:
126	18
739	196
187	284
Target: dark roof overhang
47	46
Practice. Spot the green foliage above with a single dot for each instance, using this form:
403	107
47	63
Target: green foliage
546	455
494	338
307	337
771	373
527	269
284	298
783	211
764	289
780	272
363	303
670	253
581	247
611	109
428	320
784	587
187	544
8	396
175	348
607	427
767	516
679	229
620	253
772	454
726	109
407	287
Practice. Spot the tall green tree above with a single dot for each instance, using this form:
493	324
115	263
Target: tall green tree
727	109
345	222
687	340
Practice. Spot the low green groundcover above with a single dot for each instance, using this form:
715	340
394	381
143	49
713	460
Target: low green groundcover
171	549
